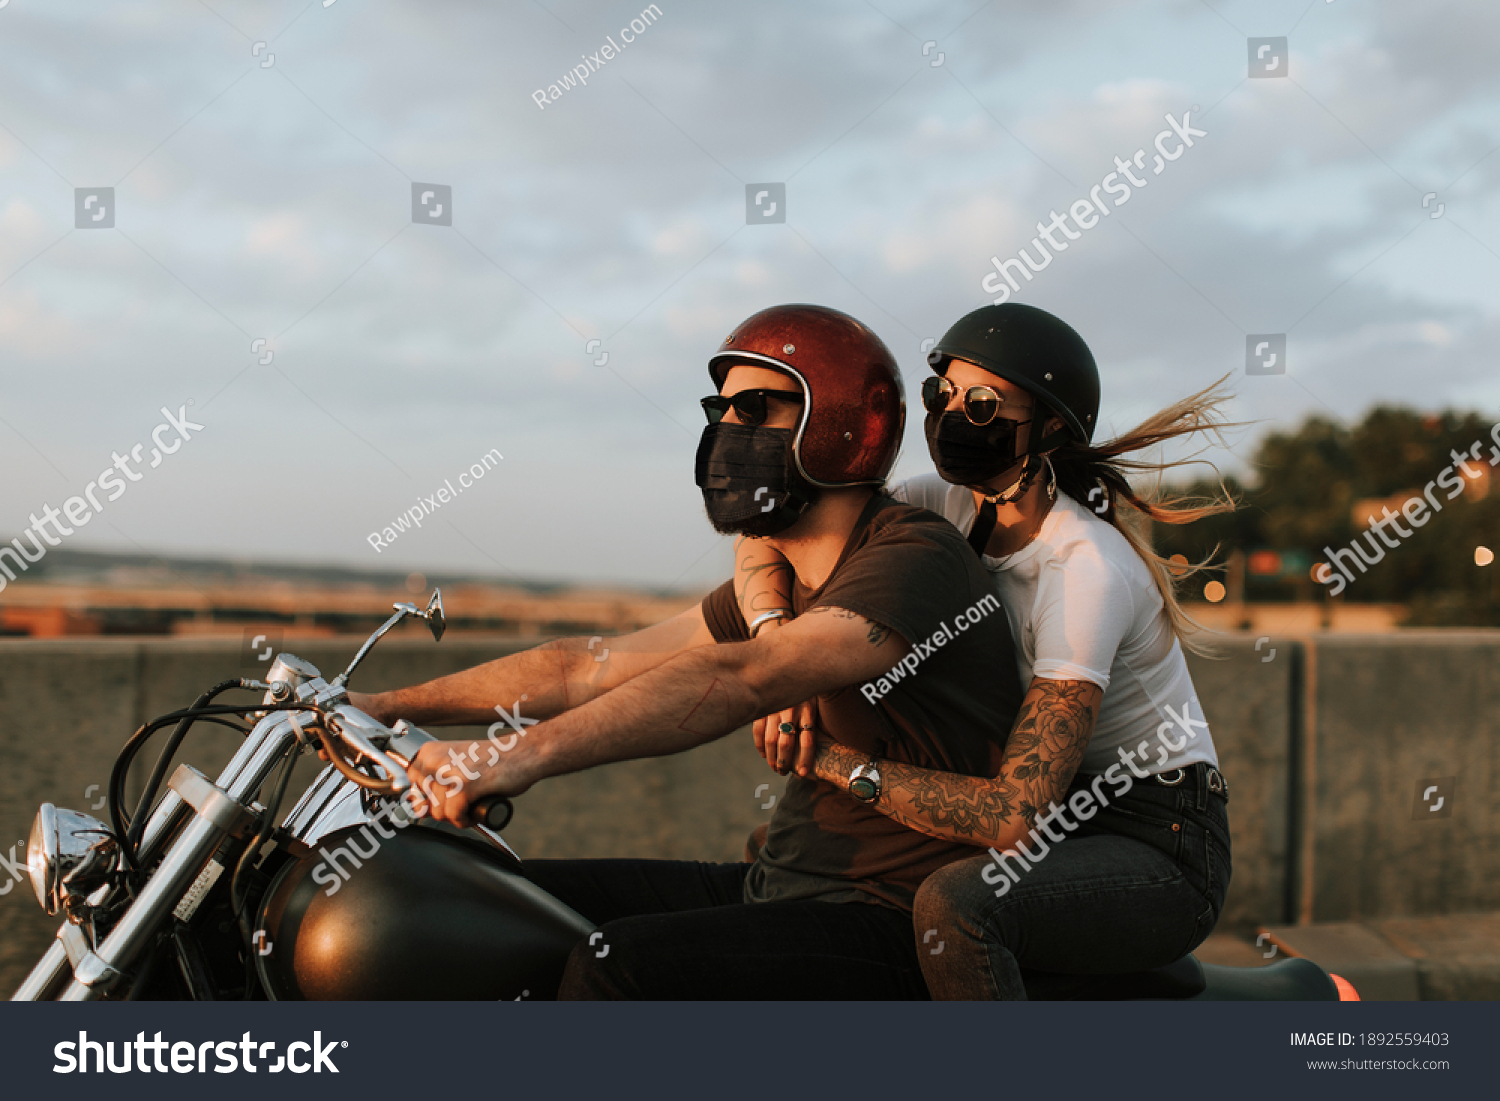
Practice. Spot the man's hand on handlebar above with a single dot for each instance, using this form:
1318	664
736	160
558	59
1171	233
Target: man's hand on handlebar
453	776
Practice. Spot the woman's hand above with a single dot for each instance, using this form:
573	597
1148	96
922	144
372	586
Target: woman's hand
793	746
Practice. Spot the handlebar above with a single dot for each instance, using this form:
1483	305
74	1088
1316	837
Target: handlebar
291	677
339	723
492	811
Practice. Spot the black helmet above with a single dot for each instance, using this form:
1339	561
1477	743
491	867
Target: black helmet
1033	349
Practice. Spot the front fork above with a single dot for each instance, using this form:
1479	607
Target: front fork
72	970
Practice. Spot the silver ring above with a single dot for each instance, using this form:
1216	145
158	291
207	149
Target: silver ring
805	728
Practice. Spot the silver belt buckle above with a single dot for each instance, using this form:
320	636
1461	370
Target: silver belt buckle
1161	777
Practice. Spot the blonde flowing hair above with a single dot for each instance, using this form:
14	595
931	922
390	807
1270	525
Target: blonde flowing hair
1084	468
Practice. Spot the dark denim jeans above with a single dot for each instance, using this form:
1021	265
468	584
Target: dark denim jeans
1138	886
677	929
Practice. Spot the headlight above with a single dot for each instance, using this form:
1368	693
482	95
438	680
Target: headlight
68	855
41	855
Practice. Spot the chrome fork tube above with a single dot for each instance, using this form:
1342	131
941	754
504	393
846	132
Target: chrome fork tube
158	826
184	860
47	976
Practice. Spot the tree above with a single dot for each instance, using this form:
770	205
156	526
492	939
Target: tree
1309	482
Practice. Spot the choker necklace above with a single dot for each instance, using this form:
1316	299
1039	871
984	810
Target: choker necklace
984	522
1017	488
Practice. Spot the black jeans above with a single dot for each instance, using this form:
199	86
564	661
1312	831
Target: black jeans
678	929
1137	886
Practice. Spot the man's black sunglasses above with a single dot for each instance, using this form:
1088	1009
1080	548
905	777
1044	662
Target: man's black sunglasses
749	404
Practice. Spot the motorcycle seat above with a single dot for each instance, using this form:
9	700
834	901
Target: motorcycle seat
1290	980
1176	981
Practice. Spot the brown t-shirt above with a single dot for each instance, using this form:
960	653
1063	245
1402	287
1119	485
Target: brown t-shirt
949	709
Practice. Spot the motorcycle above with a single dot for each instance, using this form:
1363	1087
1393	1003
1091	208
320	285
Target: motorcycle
200	895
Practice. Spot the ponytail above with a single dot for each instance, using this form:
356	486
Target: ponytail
1093	473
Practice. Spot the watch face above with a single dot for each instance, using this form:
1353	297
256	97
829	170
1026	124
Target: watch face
863	788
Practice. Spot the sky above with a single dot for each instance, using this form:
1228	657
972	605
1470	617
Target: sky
265	268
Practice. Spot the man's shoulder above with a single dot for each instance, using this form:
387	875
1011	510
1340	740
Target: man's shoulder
909	555
897	521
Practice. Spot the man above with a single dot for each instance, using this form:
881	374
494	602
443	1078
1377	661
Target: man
802	434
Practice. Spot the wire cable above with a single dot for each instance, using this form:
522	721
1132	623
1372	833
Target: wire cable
123	825
267	825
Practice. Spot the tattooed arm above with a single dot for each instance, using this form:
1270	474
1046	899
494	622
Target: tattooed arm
763	583
762	579
1043	753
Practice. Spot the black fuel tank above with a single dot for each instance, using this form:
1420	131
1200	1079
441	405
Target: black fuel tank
428	916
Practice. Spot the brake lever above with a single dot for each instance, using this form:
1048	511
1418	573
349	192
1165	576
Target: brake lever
395	773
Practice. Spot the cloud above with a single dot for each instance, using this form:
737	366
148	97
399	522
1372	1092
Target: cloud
276	202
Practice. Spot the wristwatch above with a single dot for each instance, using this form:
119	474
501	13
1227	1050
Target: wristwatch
864	782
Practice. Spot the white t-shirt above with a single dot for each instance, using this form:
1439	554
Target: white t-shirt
1083	606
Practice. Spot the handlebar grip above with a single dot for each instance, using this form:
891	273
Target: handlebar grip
494	811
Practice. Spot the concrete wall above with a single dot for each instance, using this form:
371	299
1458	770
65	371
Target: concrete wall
1390	715
1248	702
1323	743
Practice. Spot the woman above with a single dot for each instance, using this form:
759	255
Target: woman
1106	828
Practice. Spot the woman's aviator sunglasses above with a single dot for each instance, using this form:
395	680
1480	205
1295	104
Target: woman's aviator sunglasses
749	404
981	404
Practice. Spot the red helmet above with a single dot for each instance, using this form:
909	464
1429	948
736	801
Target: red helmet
853	409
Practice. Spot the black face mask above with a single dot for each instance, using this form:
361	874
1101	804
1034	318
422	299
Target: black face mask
968	454
748	484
